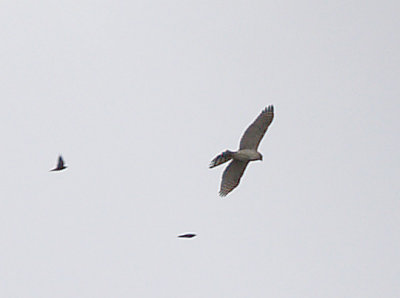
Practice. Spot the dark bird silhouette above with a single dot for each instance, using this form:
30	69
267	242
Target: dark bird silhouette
60	165
187	236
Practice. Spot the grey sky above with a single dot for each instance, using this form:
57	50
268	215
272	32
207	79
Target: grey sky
140	96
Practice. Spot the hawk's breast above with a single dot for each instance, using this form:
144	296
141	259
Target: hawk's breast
246	155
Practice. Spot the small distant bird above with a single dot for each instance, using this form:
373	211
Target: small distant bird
247	152
60	165
187	236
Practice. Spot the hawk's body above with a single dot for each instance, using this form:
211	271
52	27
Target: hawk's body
246	155
247	152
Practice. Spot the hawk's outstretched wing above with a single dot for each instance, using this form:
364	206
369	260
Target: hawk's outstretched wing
231	176
256	131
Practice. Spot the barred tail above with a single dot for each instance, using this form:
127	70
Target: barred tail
222	158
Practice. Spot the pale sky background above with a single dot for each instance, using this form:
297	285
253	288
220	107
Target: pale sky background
139	96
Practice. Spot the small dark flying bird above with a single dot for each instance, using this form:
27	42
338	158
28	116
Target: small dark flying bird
187	236
60	165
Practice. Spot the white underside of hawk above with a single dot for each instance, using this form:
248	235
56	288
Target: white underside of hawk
247	152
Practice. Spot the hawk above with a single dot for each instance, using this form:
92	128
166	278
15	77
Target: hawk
247	152
60	165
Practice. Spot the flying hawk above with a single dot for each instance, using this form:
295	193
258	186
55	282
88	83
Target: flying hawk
247	152
60	165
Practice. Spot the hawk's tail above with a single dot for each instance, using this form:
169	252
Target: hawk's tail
222	158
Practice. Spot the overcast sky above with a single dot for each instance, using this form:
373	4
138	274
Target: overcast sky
139	96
